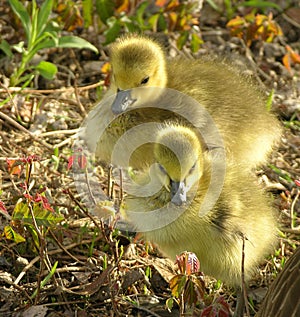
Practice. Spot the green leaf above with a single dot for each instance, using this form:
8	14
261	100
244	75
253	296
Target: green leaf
105	9
64	42
5	47
113	31
22	14
196	41
43	16
56	152
46	69
34	235
76	42
25	80
87	6
42	216
131	26
177	284
170	303
52	27
162	23
260	4
182	39
140	13
214	5
153	20
11	234
34	19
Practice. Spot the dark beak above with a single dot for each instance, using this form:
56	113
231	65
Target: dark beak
122	101
178	193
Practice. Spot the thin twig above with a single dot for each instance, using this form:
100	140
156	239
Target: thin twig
109	177
21	128
49	91
63	248
50	133
244	290
89	187
292	209
81	107
53	252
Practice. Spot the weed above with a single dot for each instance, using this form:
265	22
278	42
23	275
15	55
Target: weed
41	32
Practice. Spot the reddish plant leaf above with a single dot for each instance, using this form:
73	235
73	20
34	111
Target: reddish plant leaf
124	7
11	234
45	203
161	3
14	167
77	160
188	263
2	207
71	161
219	308
286	62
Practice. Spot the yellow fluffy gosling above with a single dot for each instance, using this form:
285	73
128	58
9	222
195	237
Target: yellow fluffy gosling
183	171
235	102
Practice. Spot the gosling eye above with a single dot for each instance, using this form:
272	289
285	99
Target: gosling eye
145	80
192	168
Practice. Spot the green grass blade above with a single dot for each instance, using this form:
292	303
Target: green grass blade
5	47
43	16
76	42
22	14
46	279
260	4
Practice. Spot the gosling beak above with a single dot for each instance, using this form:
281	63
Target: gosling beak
178	193
122	101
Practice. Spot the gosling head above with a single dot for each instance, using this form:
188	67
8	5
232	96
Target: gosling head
137	61
178	154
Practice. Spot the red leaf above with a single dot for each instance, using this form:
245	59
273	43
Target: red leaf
82	161
193	264
78	158
45	203
2	207
188	263
286	62
161	3
14	167
70	162
29	197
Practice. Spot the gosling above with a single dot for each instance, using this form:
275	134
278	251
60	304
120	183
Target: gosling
169	215
235	102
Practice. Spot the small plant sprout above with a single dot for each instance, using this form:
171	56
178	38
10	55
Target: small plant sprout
41	33
188	286
254	27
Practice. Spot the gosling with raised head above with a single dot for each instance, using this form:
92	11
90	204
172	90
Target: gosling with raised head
235	102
